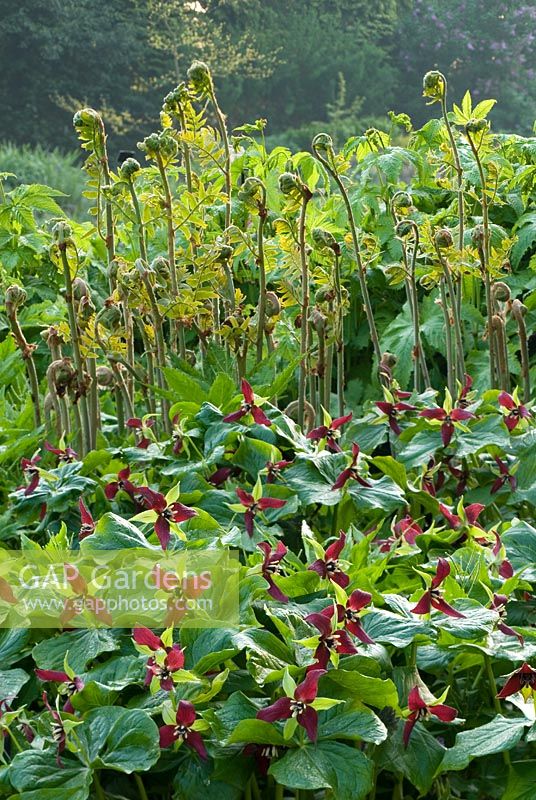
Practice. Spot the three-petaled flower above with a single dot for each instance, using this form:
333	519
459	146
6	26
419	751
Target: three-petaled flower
253	502
183	730
449	417
248	406
123	482
298	706
505	475
274	469
58	730
143	430
327	566
88	523
514	410
498	604
405	529
168	657
465	516
331	639
163	511
70	684
351	472
271	566
432	597
65	454
31	473
521	680
391	407
419	710
330	431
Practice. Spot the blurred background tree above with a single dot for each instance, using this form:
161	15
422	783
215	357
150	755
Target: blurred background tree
302	64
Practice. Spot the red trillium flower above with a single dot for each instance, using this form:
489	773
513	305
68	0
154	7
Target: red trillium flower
273	470
351	472
272	566
463	400
433	478
432	597
140	425
58	731
176	435
392	411
298	706
83	600
88	523
165	513
330	432
515	410
470	512
447	419
6	592
331	640
349	614
420	711
328	567
503	477
263	754
31	473
182	730
71	683
122	482
498	604
173	660
248	407
252	507
522	680
65	454
221	475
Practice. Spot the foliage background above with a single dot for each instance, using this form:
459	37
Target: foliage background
298	63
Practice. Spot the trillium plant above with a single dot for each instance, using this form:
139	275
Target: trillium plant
319	364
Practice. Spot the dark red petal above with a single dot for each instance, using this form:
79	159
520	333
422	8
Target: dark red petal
52	675
245	497
497	484
473	511
162	530
506	400
185	713
445	608
357	629
321	622
458	414
111	489
385	407
423	606
332	445
442	571
355	451
344	643
175	659
334	550
408	727
308	719
433	413
32	486
134	422
358	600
193	739
395	427
511	422
247	391
343	478
167	735
180	512
453	519
275	592
146	637
340	578
318	566
249	517
235	416
508	631
278	710
259	416
415	700
447	429
271	502
337	423
307	690
85	516
318	433
444	713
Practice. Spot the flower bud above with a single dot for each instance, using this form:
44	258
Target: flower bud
200	77
443	238
80	289
325	294
62	374
501	291
477	236
476	125
273	304
110	316
86	118
401	200
15	297
325	240
224	253
251	190
129	167
160	266
404	228
433	85
322	142
105	377
288	182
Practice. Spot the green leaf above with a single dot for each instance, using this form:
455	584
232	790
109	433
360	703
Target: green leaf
394	469
495	737
82	646
118	738
256	731
373	691
521	781
354	725
11	682
35	775
418	762
115	533
520	544
328	765
184	387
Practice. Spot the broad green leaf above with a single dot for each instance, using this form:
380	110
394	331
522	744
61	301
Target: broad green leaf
118	738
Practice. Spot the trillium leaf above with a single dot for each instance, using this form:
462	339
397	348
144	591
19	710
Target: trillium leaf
495	737
35	775
118	738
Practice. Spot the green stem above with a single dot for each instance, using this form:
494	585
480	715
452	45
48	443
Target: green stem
457	165
279	793
304	338
262	278
139	220
98	788
495	700
141	787
170	243
518	312
339	328
451	380
160	348
227	169
460	358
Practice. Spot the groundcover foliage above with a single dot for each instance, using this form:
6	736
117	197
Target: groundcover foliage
312	359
